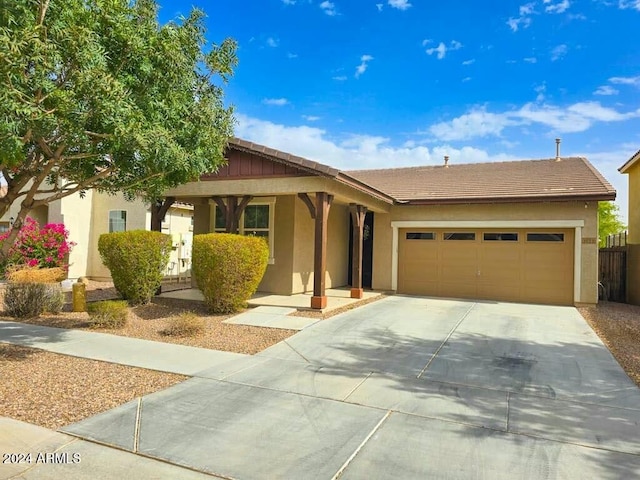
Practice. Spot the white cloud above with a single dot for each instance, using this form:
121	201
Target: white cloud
339	78
605	90
469	62
399	4
278	102
524	20
559	7
530	60
625	4
379	6
273	42
577	117
292	55
441	50
311	118
353	152
558	52
329	8
540	90
635	81
466	79
364	64
527	9
476	123
289	2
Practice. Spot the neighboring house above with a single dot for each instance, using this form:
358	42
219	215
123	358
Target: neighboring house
523	231
632	168
87	218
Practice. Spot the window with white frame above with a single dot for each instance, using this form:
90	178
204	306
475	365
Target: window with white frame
257	220
117	221
4	227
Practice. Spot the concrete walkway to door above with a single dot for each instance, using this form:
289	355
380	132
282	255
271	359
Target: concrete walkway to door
404	387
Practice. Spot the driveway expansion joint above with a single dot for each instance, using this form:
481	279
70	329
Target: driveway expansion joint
357	450
435	354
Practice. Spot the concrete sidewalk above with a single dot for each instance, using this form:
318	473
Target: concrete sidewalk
164	357
42	454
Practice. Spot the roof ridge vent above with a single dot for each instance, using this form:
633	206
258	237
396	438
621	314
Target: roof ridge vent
558	149
446	161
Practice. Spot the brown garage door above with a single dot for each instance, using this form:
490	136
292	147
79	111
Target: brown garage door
518	265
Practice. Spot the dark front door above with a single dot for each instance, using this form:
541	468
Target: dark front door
367	251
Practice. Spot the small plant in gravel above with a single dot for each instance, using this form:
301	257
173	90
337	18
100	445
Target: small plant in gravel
28	297
53	298
24	300
136	260
108	314
185	324
228	269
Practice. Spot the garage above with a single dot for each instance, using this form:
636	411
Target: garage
515	265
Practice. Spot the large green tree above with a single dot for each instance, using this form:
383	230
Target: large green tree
98	94
608	221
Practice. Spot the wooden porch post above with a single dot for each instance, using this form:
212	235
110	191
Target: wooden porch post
232	211
358	213
323	203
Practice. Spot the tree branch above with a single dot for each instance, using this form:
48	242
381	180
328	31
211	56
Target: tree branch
44	5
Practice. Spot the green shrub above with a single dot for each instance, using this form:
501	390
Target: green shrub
228	268
137	260
53	299
186	324
108	314
24	300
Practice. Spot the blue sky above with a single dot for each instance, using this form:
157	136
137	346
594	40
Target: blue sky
386	83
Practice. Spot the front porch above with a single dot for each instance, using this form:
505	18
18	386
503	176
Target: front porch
336	298
303	210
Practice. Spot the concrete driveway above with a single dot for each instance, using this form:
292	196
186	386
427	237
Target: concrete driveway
404	387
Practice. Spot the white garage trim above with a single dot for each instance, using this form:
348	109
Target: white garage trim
577	251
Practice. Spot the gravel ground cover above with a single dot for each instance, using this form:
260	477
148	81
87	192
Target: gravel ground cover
618	325
53	390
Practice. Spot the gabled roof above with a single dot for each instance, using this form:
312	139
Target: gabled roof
545	180
570	178
630	163
283	157
308	166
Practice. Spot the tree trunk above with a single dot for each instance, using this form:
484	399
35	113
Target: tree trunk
159	210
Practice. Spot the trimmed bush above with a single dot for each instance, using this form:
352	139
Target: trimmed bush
136	260
24	300
108	314
228	269
186	324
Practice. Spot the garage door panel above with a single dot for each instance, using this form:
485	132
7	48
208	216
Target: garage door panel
494	266
455	289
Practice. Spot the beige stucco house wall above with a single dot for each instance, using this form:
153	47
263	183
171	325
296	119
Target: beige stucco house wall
87	218
632	169
291	270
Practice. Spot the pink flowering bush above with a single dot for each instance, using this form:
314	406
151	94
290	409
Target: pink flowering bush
44	247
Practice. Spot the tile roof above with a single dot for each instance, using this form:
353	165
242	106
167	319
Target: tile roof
569	178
